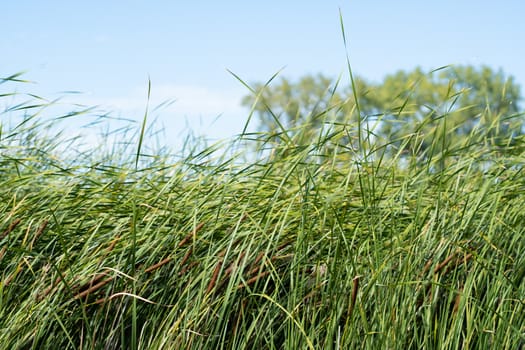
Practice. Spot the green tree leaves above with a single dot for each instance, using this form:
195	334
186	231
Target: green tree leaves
414	110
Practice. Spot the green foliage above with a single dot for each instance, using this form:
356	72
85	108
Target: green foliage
456	101
297	248
308	100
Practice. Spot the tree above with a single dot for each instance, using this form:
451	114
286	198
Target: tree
292	103
455	100
410	109
301	109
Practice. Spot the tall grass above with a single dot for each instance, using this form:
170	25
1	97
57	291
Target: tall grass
310	245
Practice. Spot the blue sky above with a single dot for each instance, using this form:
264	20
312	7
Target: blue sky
108	49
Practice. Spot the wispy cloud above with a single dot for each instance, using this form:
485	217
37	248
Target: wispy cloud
183	100
203	111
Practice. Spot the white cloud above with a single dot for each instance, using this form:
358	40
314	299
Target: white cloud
206	112
185	100
193	100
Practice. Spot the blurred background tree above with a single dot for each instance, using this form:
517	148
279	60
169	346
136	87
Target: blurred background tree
448	104
412	110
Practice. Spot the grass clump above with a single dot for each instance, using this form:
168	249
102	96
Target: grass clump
285	245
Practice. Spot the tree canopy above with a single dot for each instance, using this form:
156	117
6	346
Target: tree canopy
458	100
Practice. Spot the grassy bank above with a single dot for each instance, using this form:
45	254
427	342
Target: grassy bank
283	245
